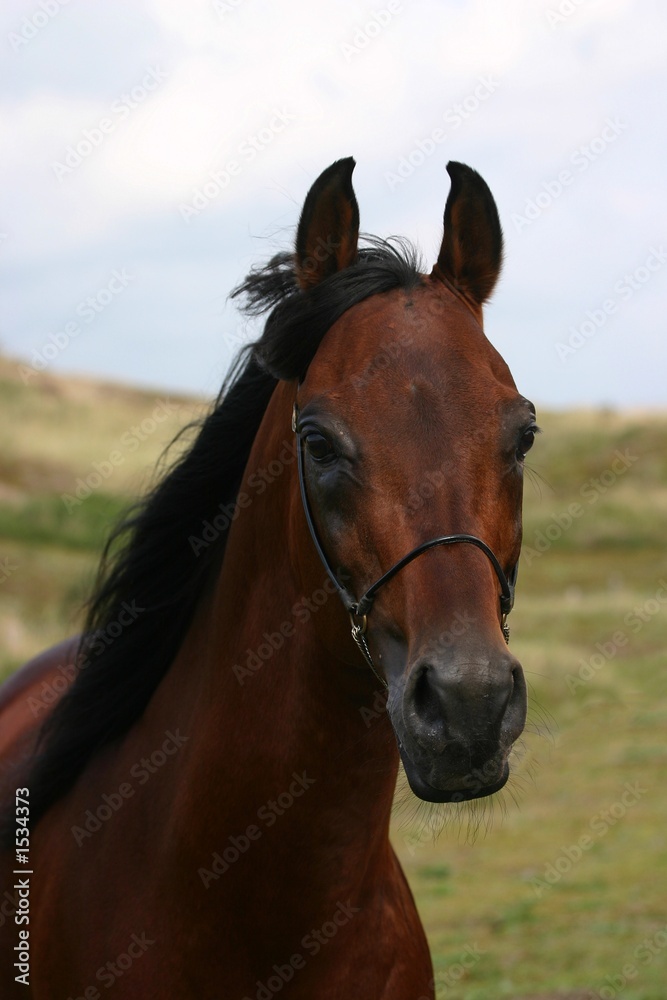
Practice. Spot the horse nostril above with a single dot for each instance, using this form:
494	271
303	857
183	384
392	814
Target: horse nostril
426	710
475	710
515	714
425	700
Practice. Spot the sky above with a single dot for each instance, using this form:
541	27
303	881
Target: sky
154	150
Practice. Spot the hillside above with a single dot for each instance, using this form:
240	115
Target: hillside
73	453
590	627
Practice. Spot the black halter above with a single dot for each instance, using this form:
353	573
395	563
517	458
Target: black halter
359	610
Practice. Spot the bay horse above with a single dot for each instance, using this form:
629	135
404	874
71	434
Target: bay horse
317	588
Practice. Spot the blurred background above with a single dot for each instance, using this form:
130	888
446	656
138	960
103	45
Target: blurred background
174	143
152	153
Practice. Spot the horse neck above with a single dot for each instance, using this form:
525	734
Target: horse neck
289	739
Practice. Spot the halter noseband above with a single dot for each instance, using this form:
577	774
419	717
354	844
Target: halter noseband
359	610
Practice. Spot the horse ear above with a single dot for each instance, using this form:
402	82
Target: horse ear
328	232
472	246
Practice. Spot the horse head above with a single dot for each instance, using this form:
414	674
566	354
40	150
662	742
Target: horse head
411	428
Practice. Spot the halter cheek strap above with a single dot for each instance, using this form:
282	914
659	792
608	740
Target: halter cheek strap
359	610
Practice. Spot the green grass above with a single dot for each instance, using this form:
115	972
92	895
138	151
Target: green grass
497	926
45	520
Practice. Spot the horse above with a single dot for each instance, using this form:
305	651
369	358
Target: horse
316	590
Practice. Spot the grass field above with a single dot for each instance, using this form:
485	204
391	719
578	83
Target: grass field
557	887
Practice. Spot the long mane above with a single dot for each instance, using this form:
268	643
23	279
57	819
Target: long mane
149	562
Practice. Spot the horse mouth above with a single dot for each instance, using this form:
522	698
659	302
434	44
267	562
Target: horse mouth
471	786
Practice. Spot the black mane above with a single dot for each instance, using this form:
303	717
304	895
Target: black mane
150	562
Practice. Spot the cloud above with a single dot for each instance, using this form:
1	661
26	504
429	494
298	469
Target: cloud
262	96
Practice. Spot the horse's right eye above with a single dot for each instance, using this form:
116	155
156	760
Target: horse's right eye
319	448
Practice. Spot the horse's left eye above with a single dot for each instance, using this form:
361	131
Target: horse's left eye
319	448
526	442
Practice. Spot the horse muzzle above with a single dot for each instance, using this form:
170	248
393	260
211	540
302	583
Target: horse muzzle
456	724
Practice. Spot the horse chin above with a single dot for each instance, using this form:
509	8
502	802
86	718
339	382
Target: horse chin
469	788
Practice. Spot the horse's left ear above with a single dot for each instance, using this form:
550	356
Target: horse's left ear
328	232
472	246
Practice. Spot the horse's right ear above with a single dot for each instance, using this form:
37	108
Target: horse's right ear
328	232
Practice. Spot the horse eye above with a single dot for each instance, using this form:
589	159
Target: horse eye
526	443
319	448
